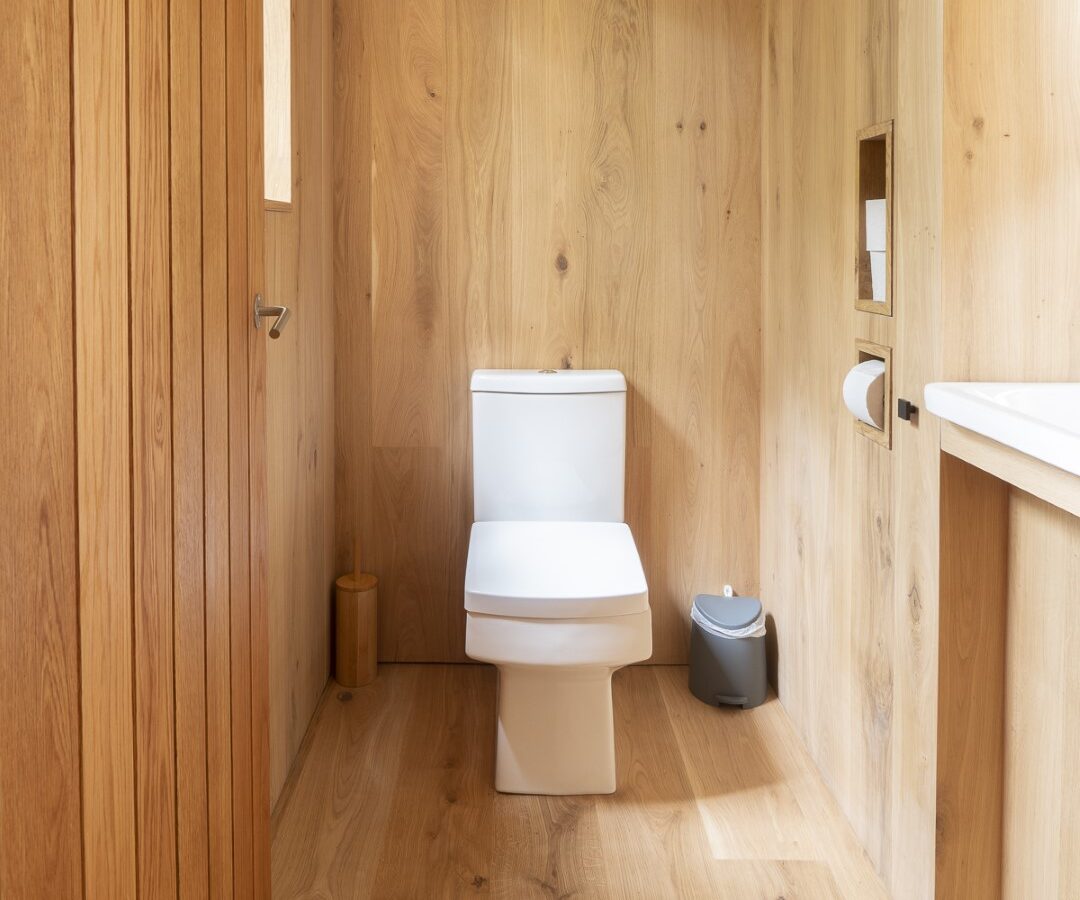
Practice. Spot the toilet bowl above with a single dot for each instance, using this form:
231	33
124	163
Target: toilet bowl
557	607
555	595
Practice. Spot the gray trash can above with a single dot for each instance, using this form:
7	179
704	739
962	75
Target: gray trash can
727	650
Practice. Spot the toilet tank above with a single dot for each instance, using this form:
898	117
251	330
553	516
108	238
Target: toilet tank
548	445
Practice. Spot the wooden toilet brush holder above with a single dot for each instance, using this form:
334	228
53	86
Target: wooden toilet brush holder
356	627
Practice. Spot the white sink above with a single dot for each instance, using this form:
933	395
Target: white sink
1041	420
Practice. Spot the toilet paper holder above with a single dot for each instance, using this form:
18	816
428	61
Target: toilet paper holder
864	351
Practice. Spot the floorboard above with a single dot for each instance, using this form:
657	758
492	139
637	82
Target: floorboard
391	797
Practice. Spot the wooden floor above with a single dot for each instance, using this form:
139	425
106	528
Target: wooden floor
392	796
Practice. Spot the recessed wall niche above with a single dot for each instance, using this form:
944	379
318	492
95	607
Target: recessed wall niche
874	258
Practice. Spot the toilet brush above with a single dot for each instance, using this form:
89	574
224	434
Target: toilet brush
355	626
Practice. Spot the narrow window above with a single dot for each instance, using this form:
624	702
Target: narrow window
277	100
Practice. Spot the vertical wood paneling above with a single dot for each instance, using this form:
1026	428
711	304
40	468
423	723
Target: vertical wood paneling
1041	840
40	845
259	634
547	120
971	680
151	417
693	358
127	667
478	162
409	291
216	448
300	414
848	529
189	596
352	276
917	279
103	419
555	216
617	198
237	98
1012	199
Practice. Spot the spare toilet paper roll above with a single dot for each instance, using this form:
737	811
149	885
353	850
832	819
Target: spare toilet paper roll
864	392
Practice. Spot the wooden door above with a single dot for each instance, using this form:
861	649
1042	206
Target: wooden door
133	671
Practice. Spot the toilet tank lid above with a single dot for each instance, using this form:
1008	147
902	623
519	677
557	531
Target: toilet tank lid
548	381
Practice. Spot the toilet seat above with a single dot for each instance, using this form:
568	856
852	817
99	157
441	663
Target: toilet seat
554	570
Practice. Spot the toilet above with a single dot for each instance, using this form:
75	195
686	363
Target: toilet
555	595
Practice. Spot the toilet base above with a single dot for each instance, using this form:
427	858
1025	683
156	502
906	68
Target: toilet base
556	731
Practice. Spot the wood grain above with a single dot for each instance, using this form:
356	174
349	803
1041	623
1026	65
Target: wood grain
1041	837
1049	483
917	230
581	189
849	530
102	421
40	781
152	494
215	359
408	197
243	281
971	735
300	411
256	463
1011	208
392	796
189	537
131	318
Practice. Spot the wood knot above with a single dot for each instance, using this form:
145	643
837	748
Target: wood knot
977	123
701	125
679	126
562	263
345	696
479	881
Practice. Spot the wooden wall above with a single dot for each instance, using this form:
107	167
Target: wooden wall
133	674
849	528
1011	196
41	853
558	184
1041	833
300	411
1011	191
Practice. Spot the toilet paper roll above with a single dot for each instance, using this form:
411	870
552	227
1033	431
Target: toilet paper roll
864	392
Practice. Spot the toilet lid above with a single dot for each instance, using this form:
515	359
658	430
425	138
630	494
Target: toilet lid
554	570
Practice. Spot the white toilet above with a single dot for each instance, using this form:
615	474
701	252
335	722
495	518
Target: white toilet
555	595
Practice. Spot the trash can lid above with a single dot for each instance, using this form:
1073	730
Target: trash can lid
729	613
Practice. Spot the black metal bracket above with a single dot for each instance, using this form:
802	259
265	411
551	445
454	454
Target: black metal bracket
905	409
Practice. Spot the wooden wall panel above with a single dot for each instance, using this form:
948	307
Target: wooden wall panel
409	290
971	682
215	375
133	669
352	274
189	598
40	842
1011	195
244	280
300	411
103	390
151	417
1041	837
917	279
848	528
580	189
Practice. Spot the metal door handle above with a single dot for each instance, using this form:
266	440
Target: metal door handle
279	313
